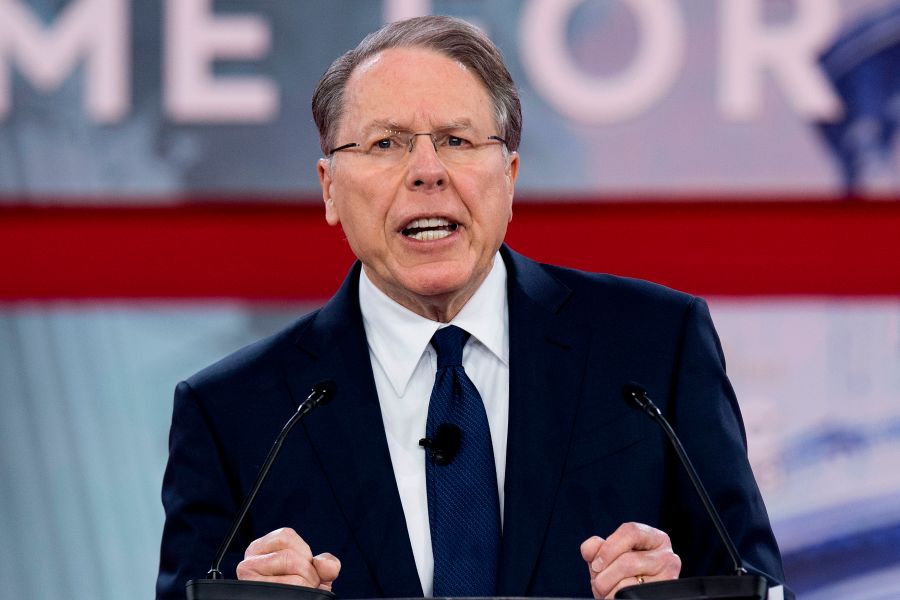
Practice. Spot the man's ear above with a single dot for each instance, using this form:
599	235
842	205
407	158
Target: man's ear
512	173
323	166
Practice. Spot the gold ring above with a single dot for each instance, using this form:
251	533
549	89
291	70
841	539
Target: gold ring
640	579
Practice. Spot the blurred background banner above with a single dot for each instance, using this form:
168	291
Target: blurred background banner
150	101
159	208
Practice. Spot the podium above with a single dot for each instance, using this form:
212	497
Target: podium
726	587
233	589
705	588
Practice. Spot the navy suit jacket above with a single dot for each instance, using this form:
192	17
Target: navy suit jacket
580	461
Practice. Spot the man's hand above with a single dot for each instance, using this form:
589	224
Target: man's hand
635	553
283	557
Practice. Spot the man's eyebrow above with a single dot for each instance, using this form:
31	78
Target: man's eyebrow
461	123
382	125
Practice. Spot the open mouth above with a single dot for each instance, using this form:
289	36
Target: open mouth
426	230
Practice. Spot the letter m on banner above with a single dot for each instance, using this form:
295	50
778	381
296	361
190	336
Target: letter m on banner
95	31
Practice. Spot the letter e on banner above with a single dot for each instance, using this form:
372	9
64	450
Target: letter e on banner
195	39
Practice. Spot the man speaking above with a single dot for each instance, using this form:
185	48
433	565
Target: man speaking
478	444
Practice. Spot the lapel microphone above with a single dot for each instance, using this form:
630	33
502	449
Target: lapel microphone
445	445
215	587
741	585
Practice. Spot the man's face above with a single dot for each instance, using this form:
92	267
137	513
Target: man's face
380	206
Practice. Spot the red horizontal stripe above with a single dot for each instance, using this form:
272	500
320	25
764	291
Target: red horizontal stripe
287	251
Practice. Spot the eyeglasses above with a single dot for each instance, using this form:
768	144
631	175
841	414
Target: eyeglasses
392	147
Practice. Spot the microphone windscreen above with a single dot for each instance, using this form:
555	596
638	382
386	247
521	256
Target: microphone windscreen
327	389
636	394
447	438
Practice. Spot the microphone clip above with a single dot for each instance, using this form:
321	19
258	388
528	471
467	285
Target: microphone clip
445	444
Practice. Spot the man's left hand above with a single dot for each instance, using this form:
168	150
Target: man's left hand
633	554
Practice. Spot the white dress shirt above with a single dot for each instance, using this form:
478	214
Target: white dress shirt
404	365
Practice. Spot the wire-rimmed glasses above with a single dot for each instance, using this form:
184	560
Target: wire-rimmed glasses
393	146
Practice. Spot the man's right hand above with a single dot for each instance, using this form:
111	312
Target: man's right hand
282	556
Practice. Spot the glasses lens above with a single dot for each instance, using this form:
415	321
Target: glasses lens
394	147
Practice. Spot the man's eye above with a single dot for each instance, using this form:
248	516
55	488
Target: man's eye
456	142
385	144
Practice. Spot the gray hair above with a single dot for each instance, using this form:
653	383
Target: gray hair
449	36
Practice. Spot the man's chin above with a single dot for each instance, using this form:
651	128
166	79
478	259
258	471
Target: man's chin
429	282
437	284
436	287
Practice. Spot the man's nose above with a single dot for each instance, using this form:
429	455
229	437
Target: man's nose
425	170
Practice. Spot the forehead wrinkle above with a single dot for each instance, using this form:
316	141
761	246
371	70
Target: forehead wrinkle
366	88
380	125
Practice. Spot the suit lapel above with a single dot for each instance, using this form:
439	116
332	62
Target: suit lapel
547	361
349	440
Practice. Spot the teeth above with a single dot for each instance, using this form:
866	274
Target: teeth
430	235
427	222
427	229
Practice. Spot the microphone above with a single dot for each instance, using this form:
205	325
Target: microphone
214	587
445	445
741	585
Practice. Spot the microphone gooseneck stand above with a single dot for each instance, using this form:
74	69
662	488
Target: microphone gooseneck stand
215	587
741	585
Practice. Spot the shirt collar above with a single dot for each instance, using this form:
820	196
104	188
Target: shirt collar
398	337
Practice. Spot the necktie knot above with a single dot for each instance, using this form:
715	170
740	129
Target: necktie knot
448	342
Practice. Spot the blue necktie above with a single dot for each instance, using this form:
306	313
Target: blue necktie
463	506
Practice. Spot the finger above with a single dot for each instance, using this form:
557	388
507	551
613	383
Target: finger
626	583
626	538
651	565
327	567
625	568
278	564
589	548
288	579
629	537
279	539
